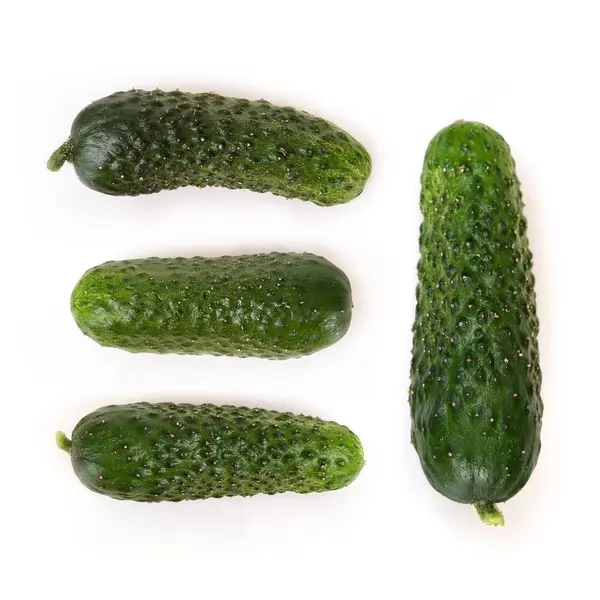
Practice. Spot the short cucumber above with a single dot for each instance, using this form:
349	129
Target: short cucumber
172	452
475	393
276	306
140	142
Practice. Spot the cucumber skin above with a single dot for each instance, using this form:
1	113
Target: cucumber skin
172	452
275	306
141	142
475	375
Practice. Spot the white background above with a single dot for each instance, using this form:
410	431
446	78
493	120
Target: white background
392	75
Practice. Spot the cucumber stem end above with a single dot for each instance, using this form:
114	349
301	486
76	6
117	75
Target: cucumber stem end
63	442
489	514
61	155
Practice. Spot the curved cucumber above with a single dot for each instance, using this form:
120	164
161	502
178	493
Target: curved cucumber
475	392
141	142
278	305
172	452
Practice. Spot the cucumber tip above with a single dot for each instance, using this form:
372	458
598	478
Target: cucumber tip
60	156
490	514
63	442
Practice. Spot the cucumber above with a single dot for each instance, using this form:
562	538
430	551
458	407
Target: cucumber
140	142
154	452
276	305
475	397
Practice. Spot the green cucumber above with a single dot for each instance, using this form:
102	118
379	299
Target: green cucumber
140	142
172	452
475	374
276	306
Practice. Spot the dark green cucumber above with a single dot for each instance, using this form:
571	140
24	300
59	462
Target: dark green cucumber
172	452
475	391
140	142
278	305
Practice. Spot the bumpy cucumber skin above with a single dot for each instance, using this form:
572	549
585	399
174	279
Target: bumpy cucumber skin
172	452
276	305
475	374
140	142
